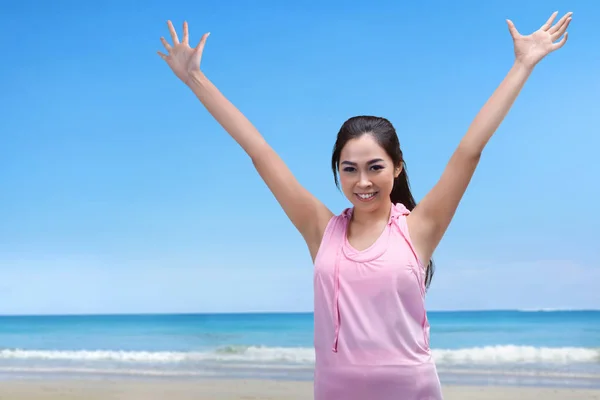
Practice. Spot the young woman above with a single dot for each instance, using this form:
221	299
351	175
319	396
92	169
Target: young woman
372	262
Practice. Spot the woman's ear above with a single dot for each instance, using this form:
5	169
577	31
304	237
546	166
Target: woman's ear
397	171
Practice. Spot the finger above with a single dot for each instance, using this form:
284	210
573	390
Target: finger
512	29
163	56
200	48
560	23
173	33
166	44
561	43
548	23
186	37
561	31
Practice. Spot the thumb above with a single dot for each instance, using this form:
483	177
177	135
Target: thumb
512	29
200	48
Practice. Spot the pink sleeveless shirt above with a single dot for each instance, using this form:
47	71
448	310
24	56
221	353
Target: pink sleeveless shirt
371	330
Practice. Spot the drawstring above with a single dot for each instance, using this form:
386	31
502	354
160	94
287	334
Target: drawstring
396	212
336	284
420	281
336	300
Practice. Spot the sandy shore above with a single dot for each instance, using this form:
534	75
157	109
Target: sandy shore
240	389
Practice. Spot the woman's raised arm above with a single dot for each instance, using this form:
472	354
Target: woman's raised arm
306	212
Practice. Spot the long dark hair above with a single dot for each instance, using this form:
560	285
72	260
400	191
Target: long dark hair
384	133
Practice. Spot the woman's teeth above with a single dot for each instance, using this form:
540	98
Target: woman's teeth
366	196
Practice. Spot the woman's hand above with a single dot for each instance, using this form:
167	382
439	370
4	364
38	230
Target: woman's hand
183	60
530	49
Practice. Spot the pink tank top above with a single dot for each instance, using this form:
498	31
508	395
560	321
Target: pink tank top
371	332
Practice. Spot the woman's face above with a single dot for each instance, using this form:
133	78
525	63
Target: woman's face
367	173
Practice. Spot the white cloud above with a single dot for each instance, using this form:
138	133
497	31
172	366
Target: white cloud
90	285
93	285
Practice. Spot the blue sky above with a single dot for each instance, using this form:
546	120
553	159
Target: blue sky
121	194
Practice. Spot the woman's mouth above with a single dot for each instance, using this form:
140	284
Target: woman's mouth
366	197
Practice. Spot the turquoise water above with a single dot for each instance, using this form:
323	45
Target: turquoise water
497	347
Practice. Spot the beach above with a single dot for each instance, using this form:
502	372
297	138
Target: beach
240	389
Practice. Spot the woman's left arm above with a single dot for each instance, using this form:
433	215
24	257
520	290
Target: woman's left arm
432	216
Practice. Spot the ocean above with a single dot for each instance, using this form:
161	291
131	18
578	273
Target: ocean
541	348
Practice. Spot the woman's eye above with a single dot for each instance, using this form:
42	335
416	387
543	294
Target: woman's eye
348	169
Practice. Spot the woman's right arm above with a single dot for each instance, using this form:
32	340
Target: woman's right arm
306	212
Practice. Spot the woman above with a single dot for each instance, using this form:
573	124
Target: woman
371	262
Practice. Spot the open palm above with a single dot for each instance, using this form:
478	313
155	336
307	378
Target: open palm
183	59
532	48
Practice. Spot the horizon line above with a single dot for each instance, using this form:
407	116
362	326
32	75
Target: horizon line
111	314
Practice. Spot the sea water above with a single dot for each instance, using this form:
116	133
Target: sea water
543	347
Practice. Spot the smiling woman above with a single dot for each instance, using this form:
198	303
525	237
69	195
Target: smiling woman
371	262
369	161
